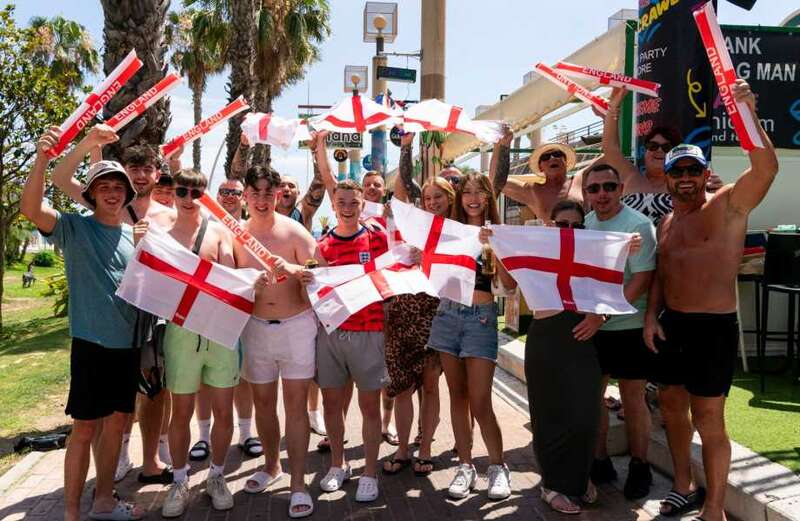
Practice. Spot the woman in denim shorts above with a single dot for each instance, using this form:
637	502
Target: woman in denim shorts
466	339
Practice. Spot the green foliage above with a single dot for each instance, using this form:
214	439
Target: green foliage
65	47
57	287
44	259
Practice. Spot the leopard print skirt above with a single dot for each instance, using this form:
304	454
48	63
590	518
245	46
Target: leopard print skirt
407	327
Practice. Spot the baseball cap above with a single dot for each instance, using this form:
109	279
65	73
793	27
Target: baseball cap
684	151
104	168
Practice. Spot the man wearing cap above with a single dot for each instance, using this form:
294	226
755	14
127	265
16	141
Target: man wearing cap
103	363
549	184
691	313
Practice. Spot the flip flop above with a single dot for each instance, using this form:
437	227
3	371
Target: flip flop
391	438
679	504
165	477
262	479
324	445
252	447
300	499
122	512
199	451
612	403
403	462
419	462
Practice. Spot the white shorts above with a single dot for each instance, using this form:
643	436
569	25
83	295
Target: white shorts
284	348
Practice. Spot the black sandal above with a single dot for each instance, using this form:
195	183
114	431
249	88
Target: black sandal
679	504
396	461
252	447
419	462
199	451
324	445
165	477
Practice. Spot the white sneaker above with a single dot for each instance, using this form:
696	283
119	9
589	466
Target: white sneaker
177	499
499	482
221	497
463	482
317	422
124	466
367	489
163	453
335	478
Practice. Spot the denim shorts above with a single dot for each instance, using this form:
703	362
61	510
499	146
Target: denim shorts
465	331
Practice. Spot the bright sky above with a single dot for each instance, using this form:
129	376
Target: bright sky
489	50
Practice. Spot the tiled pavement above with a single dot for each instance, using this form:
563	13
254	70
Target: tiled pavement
36	492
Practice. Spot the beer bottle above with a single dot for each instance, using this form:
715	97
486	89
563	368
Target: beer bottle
311	264
488	267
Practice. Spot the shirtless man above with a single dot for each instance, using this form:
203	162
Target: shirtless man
280	338
692	310
142	164
191	359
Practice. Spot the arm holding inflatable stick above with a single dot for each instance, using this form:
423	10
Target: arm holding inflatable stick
320	155
501	161
404	187
64	174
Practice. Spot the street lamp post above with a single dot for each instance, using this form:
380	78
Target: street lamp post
356	81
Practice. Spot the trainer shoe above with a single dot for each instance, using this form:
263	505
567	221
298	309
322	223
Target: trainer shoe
335	478
177	499
603	471
367	489
499	481
221	497
639	479
463	482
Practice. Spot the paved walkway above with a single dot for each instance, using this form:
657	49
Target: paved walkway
33	490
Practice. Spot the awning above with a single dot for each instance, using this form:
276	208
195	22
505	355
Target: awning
539	97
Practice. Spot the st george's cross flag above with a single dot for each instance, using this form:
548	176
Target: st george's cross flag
565	269
166	279
267	129
355	114
433	114
371	210
449	249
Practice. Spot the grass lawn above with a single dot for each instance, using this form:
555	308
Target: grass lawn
34	363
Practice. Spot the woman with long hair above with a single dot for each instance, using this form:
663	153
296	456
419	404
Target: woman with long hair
408	323
466	339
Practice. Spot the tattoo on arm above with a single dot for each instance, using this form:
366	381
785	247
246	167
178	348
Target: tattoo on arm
406	173
240	159
503	168
316	190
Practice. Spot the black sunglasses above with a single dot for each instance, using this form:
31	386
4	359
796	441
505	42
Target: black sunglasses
676	172
567	224
555	153
182	192
227	192
652	146
607	187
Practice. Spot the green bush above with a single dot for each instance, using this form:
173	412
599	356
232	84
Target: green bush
44	259
57	287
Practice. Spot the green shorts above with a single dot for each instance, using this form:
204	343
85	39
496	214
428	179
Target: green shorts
190	359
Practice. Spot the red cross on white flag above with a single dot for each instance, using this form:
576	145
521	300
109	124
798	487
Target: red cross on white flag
355	114
268	129
433	114
449	249
565	269
166	279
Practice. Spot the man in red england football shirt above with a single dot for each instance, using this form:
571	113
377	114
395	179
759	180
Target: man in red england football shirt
354	350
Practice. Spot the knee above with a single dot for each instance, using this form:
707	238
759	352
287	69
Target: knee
83	432
370	410
709	427
116	423
482	411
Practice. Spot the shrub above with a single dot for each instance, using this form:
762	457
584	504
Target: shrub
44	259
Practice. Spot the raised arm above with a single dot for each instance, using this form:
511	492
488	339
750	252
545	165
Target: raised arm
752	186
612	150
32	203
64	174
313	198
239	164
404	187
320	154
501	161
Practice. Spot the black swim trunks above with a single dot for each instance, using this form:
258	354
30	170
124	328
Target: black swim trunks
699	352
623	354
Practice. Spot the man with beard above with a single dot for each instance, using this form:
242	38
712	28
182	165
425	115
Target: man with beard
692	310
143	165
280	339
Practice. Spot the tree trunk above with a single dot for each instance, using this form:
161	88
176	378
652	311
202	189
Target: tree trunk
24	248
197	101
241	56
137	24
262	154
3	231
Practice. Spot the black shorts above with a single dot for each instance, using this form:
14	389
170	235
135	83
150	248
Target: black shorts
102	380
699	352
623	354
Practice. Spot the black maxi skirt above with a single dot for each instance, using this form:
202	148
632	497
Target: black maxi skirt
564	381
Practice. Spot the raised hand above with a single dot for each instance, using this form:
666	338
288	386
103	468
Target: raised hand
47	141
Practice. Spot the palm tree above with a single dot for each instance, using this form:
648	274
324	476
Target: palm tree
196	55
65	47
137	24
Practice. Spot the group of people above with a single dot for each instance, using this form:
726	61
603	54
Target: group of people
680	278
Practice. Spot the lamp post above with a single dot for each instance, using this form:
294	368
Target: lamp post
355	81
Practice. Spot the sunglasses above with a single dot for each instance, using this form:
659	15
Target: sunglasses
567	224
453	180
555	153
228	192
607	187
182	192
676	172
652	146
